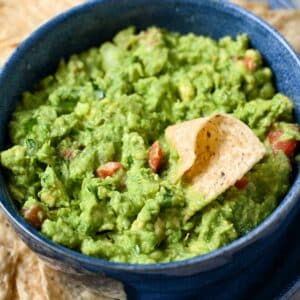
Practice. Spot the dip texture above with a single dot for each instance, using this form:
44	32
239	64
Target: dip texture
89	164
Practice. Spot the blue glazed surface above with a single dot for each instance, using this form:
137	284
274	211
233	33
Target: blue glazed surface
227	273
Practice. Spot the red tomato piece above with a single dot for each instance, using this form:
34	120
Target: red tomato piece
288	146
242	183
249	63
34	215
108	169
155	156
274	136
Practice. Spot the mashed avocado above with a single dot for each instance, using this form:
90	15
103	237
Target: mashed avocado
79	166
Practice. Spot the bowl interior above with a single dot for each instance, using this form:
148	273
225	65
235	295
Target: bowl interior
97	21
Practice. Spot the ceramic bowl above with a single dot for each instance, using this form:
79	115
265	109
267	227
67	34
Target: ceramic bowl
227	273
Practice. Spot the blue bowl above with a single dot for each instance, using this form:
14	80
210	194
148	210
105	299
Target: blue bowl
227	273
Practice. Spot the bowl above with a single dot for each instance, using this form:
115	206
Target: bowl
226	273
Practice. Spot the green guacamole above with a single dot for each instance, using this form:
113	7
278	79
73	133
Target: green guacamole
110	104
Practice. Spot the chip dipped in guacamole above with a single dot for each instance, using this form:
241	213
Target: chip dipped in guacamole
91	168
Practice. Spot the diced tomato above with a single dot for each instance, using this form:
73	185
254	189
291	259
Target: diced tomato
109	169
274	136
34	215
288	146
242	183
249	63
155	156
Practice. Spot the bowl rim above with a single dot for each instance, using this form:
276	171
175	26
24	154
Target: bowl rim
18	222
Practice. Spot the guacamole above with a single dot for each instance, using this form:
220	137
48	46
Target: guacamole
89	165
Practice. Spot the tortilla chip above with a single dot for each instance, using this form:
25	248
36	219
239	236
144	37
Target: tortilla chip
8	237
214	153
35	279
286	21
183	138
28	277
64	286
19	18
255	7
7	271
24	276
